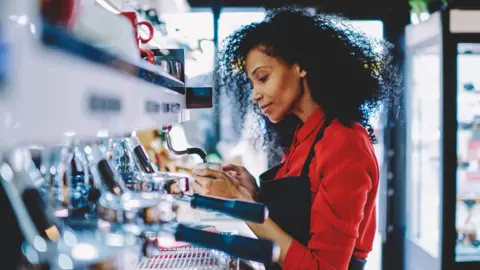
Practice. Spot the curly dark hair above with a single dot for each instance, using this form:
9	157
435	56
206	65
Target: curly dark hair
350	75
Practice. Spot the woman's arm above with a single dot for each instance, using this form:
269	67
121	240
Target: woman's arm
344	199
271	231
346	161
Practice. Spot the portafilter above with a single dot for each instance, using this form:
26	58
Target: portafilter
46	242
142	213
176	184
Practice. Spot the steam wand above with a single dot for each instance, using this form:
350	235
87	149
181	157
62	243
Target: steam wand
188	151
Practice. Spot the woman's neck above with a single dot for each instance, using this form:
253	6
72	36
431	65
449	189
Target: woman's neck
305	106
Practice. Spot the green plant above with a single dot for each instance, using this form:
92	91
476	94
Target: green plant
419	6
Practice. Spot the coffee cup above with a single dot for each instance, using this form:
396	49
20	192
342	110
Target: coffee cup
147	55
59	12
209	165
132	17
169	62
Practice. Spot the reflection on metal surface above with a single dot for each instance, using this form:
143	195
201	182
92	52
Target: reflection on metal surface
84	252
39	244
64	261
190	258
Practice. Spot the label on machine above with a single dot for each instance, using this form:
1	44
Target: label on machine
101	103
155	107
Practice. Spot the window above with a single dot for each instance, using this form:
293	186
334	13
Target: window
193	32
233	18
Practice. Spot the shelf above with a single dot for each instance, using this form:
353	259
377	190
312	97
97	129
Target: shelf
63	41
62	86
467	254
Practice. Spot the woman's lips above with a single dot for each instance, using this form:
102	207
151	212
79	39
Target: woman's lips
265	108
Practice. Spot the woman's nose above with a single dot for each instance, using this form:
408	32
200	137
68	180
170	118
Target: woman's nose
256	96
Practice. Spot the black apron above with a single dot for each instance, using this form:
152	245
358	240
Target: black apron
293	214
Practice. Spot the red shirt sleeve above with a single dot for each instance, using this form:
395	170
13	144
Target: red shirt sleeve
344	158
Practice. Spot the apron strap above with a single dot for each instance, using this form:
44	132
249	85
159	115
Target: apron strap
311	154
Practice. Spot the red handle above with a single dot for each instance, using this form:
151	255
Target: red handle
150	29
149	54
60	12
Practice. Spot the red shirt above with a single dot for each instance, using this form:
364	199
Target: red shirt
343	214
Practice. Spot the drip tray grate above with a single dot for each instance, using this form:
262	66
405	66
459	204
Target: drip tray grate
189	258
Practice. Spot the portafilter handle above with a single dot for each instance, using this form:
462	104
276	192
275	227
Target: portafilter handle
188	151
248	211
101	170
259	250
140	154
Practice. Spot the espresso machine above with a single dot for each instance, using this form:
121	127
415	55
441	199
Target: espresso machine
78	190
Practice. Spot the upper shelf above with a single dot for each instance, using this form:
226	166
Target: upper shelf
58	86
59	39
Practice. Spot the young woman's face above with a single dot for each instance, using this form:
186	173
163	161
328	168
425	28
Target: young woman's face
276	85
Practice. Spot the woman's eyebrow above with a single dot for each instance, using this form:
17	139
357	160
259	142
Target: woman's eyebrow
257	68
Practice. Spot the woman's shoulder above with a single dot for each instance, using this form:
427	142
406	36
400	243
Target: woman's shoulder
339	136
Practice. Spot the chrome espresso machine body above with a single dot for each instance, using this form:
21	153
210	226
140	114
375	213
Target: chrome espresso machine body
77	190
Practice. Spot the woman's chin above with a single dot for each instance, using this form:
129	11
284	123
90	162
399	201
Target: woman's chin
273	119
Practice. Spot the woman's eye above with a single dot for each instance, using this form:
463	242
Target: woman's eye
250	83
263	79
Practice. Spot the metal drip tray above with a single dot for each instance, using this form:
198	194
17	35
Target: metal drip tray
190	258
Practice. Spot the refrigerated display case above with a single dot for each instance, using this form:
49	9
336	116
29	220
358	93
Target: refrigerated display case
443	141
468	152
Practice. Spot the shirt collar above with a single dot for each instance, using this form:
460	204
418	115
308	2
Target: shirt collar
313	122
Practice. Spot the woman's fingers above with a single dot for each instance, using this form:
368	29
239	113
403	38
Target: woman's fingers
209	173
217	184
231	167
203	181
232	173
197	188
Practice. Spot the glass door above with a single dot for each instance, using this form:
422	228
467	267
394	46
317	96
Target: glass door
424	114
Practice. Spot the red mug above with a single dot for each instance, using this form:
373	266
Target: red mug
59	12
147	55
132	17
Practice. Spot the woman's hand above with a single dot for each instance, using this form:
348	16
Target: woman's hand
222	184
219	184
243	177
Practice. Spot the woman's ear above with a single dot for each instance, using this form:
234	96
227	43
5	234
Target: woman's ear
303	73
300	71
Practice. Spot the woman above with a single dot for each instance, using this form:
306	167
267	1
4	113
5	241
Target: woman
317	82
